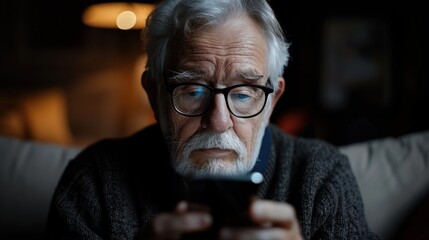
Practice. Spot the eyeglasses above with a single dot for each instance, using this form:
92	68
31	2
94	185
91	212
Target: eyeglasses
194	99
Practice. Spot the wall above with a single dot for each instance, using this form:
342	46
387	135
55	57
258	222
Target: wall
357	71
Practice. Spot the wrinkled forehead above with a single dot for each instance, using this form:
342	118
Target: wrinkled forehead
238	38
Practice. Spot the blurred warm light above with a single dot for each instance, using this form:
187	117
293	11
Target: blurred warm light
122	15
126	20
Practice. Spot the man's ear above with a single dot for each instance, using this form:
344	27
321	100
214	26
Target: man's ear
280	90
149	86
278	93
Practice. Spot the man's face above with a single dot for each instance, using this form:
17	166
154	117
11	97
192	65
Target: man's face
218	142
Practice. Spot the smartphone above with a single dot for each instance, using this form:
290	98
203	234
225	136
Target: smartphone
227	197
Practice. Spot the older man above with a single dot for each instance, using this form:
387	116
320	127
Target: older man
214	76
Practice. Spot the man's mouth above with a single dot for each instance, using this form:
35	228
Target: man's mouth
205	154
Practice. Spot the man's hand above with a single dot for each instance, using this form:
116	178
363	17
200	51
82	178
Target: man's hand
185	219
274	220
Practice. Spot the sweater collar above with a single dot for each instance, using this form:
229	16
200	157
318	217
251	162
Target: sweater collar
264	153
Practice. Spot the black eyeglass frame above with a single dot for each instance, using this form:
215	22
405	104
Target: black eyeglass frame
225	91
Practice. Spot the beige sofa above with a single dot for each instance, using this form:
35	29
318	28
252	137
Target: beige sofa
392	173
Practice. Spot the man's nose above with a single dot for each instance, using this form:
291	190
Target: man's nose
218	117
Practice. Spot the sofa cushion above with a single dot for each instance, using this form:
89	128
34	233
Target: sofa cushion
393	177
392	174
29	173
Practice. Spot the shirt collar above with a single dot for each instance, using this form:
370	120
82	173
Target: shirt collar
264	153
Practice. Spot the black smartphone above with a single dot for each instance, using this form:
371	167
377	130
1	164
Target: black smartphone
227	197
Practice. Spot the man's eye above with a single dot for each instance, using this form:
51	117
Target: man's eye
239	96
242	94
194	91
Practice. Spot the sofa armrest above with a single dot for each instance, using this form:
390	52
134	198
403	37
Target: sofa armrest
29	173
393	177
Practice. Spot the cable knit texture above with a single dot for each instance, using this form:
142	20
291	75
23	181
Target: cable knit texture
112	189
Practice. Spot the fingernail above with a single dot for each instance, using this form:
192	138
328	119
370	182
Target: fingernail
257	209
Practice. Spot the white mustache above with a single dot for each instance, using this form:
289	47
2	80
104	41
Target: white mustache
208	140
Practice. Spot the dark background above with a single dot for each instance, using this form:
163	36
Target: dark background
45	44
396	106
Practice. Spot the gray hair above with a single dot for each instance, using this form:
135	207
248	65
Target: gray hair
175	19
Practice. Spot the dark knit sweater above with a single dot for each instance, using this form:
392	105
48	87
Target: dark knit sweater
114	188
